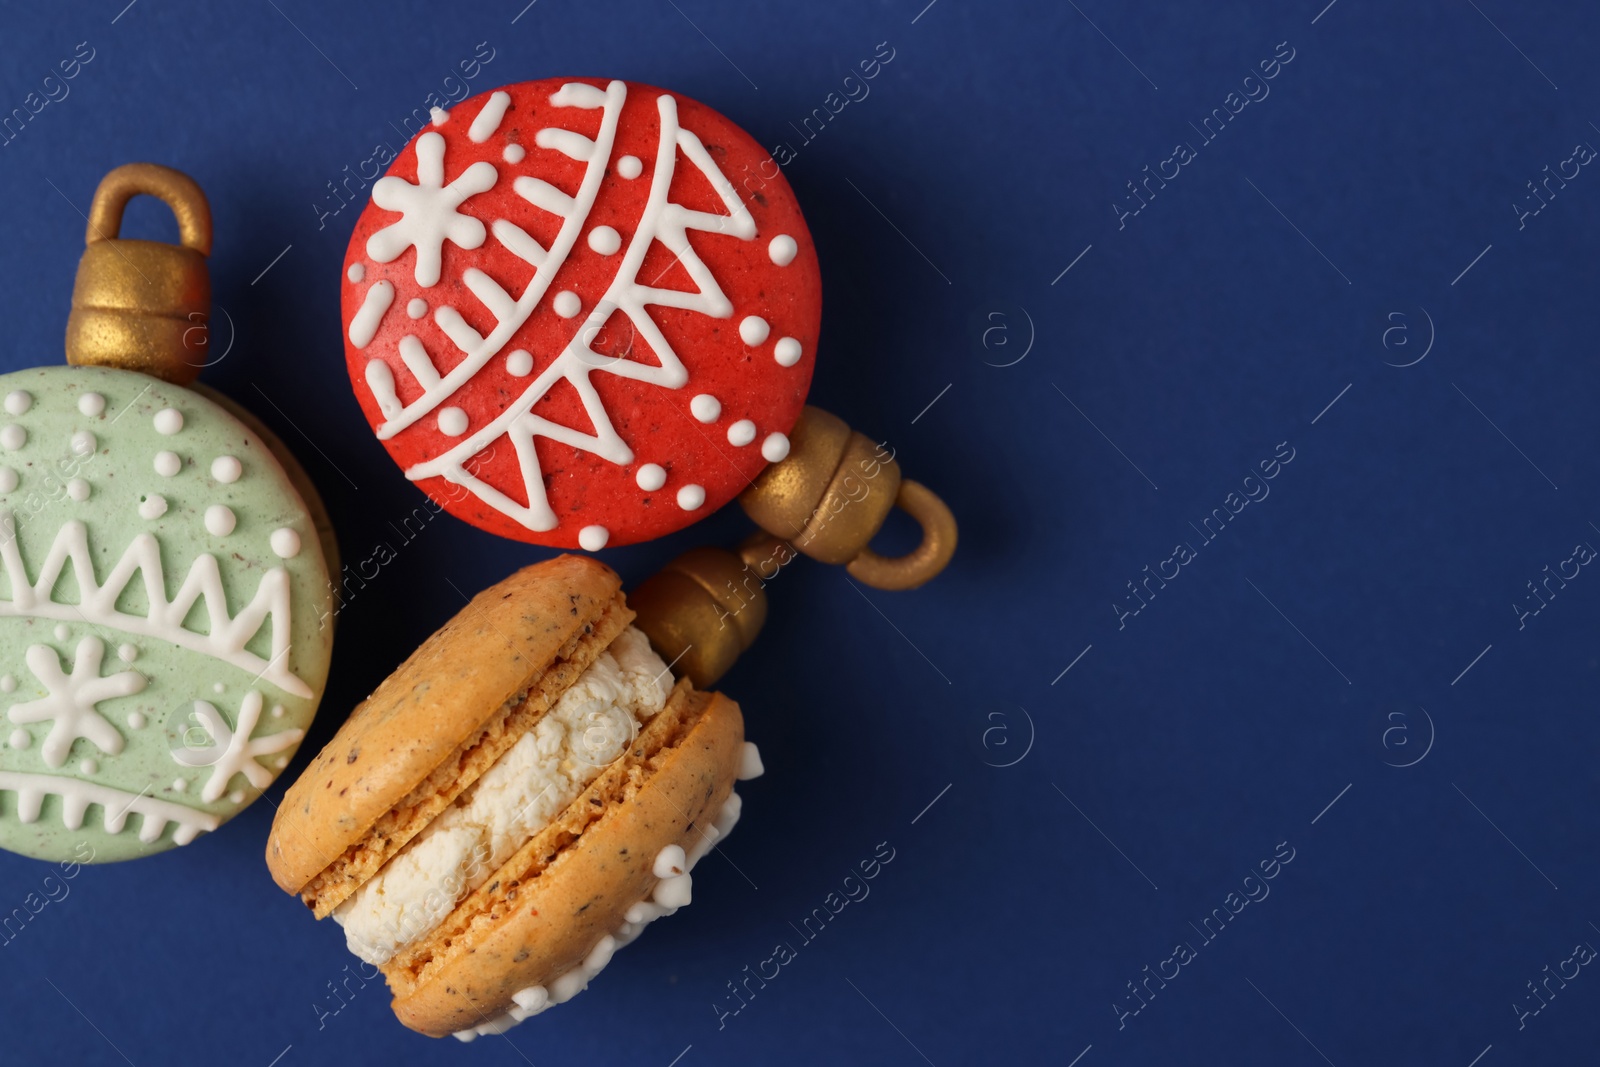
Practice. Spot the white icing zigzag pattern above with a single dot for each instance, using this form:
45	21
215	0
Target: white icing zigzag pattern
76	796
661	220
97	603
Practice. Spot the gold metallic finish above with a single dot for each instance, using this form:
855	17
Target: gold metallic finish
783	497
923	562
853	507
701	612
143	305
830	496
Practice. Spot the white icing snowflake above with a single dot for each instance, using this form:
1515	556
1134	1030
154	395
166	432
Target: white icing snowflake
428	214
69	703
232	751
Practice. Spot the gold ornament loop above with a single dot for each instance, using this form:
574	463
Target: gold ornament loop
921	563
174	188
143	305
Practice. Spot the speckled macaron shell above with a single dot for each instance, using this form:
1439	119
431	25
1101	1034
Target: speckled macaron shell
432	712
165	614
584	894
582	313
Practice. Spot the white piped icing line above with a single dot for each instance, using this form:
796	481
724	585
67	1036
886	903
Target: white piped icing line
673	891
164	617
117	805
232	750
488	120
661	220
364	326
428	215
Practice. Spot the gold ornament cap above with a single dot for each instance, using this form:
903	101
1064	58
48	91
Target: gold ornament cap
143	305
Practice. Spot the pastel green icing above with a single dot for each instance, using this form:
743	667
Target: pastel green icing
167	738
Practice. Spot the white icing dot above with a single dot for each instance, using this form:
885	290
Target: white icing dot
440	115
519	363
20	739
180	784
236	797
13	436
167	464
168	421
775	447
417	307
786	351
605	240
567	304
8	479
514	153
782	250
750	765
220	520
741	433
91	404
651	476
705	407
8	684
226	469
593	538
691	497
753	329
630	167
88	766
285	543
153	506
62	631
452	422
136	720
217	687
18	403
83	443
356	272
78	490
281	762
277	711
127	653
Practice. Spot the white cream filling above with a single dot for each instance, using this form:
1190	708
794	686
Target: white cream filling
591	725
672	892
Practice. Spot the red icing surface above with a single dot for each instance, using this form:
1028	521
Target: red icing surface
652	420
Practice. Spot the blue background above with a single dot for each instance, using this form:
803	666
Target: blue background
1083	821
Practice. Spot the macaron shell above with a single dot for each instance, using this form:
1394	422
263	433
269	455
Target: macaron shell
435	702
128	719
575	425
585	893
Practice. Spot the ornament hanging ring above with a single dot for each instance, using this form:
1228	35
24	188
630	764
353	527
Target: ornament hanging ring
175	189
921	563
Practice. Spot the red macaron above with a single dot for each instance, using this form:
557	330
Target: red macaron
581	312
